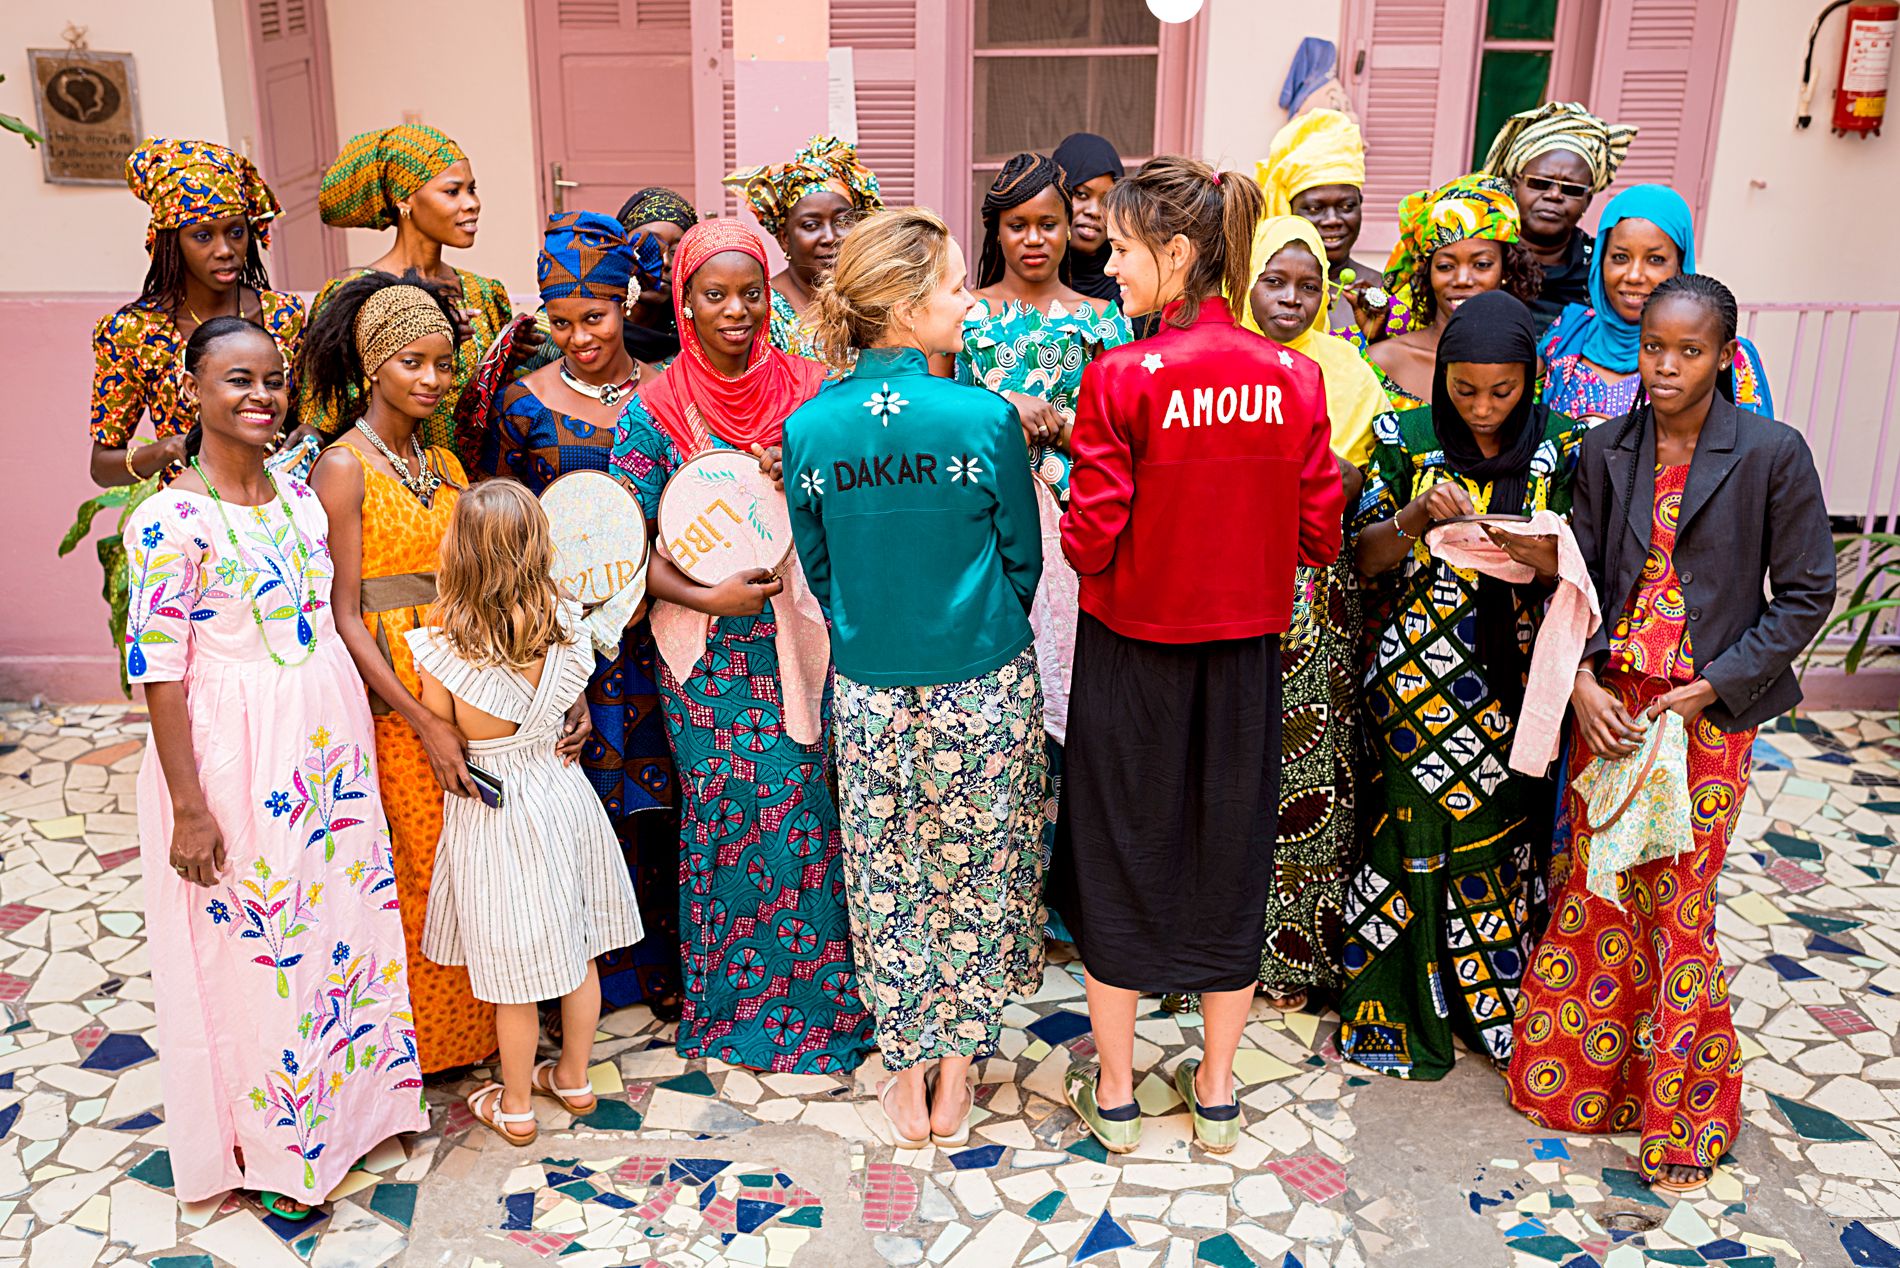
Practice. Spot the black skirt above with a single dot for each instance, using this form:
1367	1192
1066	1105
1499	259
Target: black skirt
1172	808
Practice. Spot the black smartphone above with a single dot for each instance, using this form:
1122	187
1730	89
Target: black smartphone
487	785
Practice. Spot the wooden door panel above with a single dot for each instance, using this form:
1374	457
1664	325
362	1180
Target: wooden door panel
613	99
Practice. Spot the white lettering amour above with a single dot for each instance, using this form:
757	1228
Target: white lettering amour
1249	403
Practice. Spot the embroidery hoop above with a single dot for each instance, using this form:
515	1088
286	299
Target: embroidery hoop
741	547
595	521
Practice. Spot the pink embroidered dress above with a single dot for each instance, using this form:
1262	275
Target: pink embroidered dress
284	1020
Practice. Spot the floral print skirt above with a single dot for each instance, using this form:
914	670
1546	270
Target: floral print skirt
943	812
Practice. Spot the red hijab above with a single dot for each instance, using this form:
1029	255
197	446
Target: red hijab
746	411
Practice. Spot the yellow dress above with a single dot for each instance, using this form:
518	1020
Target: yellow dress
401	538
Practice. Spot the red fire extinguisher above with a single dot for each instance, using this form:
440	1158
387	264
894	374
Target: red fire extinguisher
1860	95
1860	89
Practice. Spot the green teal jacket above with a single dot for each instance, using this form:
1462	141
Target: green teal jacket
916	522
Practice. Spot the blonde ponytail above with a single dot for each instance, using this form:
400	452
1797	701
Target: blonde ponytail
893	259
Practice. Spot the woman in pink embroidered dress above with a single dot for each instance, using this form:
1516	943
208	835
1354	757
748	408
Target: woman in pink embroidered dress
283	1005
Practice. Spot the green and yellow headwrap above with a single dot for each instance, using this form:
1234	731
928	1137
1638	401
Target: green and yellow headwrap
1561	125
392	319
1473	206
377	169
772	190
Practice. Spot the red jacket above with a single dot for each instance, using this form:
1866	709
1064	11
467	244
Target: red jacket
1202	474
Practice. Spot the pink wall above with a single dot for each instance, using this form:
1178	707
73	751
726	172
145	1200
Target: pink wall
53	640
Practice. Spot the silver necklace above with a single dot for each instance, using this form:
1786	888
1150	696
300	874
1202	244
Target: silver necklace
605	393
424	483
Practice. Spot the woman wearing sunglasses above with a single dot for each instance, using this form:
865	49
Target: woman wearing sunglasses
1558	157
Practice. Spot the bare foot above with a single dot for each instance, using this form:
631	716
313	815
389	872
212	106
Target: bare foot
1677	1178
547	1078
904	1104
1291	1002
951	1107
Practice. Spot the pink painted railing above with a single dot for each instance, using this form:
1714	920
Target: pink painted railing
1834	369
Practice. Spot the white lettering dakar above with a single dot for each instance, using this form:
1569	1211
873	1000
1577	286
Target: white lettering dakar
1247	404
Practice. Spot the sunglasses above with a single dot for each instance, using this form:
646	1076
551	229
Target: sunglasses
1543	185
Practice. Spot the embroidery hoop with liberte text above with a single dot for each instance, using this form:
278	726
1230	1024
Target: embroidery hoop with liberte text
600	535
720	515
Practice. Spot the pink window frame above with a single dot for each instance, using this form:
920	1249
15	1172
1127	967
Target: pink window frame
1180	87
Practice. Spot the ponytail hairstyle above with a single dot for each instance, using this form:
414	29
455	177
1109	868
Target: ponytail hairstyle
893	259
1021	179
1215	211
164	287
208	333
329	367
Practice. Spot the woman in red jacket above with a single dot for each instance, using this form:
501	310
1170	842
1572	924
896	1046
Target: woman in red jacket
1185	589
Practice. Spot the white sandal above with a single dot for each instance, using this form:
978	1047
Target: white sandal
898	1138
495	1120
962	1136
565	1095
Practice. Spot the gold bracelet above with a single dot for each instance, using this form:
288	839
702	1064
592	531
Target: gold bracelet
129	468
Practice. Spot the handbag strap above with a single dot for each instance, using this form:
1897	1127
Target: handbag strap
1642	777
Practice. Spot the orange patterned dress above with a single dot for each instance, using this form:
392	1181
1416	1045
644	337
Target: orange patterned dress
400	539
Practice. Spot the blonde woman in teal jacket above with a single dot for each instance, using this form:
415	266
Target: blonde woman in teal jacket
915	519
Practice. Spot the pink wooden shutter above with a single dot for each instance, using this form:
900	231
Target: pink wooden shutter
1661	65
882	35
1411	68
297	134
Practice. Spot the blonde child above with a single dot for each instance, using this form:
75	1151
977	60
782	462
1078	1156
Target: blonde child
528	891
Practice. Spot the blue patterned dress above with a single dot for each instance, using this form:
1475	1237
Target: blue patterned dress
769	978
626	759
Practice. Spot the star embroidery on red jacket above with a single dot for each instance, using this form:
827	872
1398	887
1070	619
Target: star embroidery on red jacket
1286	358
1151	362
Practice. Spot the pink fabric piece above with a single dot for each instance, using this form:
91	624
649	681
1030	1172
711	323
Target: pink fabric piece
803	642
1053	617
1571	619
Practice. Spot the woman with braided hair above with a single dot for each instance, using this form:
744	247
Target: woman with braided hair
1684	508
1028	338
211	215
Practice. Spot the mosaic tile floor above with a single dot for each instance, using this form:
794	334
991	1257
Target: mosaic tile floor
699	1165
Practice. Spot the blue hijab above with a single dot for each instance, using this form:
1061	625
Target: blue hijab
1598	332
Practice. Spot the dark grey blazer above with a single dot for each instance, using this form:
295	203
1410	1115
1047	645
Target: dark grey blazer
1752	508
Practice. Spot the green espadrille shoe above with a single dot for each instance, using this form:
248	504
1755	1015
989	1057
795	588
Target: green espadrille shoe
1216	1127
1119	1134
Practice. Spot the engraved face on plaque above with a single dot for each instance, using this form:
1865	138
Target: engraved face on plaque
720	515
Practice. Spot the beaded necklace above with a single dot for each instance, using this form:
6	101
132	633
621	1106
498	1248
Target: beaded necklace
301	550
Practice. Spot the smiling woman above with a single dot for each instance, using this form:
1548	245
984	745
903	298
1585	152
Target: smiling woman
742	674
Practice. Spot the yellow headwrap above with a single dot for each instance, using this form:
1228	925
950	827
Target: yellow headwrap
1353	395
392	319
1320	147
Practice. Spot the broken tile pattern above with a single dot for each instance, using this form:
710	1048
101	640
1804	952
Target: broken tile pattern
676	1167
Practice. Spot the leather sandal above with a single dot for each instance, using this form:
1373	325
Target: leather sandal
497	1119
565	1095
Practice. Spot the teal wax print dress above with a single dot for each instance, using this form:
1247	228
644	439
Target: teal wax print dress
765	940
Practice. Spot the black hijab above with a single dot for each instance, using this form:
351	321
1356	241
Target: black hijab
1494	328
659	341
1083	156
